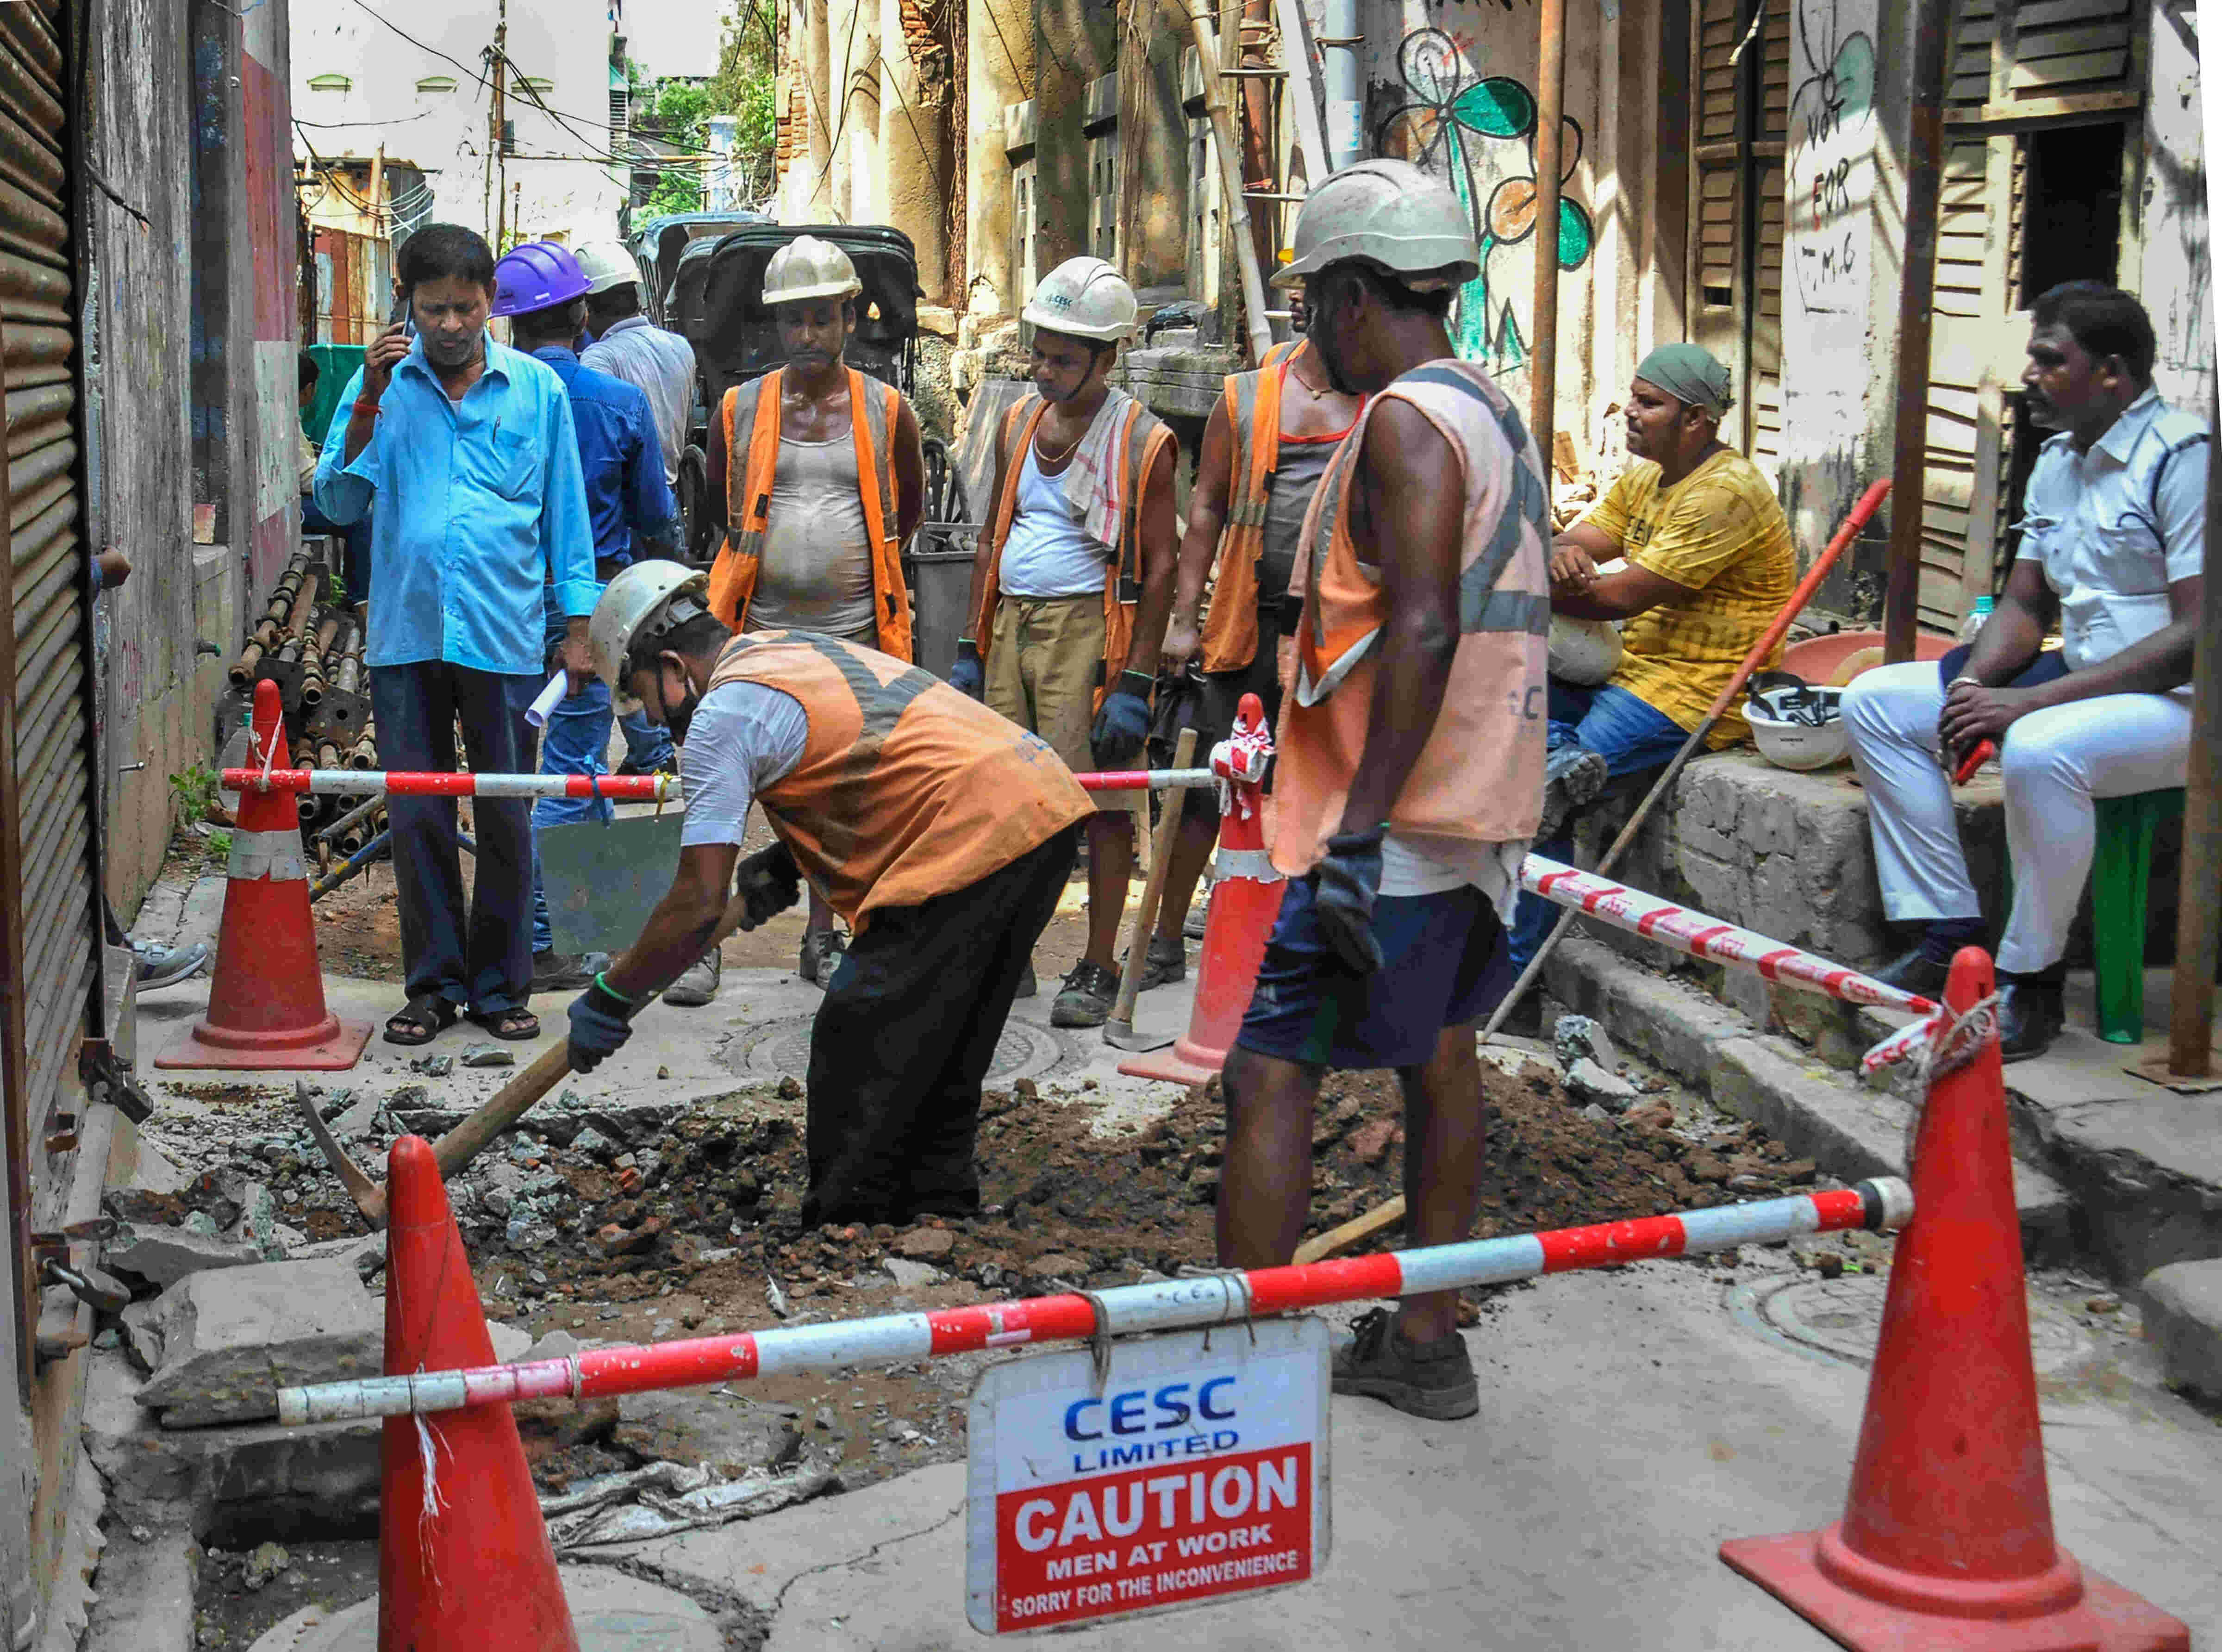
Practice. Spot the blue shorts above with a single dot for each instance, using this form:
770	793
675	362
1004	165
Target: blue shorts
1444	962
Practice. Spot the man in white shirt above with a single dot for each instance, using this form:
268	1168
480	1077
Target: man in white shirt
2114	540
629	346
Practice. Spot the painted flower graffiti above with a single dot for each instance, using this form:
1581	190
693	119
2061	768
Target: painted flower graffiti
1460	126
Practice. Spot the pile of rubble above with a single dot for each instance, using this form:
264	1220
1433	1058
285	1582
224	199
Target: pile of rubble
618	1223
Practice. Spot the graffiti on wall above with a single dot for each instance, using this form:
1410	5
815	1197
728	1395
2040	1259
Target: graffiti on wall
1828	243
1479	133
1831	163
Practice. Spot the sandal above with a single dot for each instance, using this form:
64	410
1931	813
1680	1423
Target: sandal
516	1025
423	1019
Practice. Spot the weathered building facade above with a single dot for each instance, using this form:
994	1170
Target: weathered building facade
1732	171
147	326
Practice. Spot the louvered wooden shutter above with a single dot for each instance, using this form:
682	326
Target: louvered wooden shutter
1736	250
49	937
2051	58
1762	392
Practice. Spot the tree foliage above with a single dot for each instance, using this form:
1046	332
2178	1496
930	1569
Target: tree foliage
678	112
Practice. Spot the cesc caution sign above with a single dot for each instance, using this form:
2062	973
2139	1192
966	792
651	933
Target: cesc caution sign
1196	1468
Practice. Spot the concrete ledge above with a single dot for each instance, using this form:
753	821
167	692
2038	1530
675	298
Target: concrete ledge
2183	1307
1849	1131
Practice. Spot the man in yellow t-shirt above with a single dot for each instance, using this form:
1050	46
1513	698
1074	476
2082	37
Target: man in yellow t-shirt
1710	563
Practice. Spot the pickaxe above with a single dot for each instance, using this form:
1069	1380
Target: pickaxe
762	891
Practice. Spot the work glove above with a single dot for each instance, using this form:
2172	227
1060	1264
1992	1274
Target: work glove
1123	722
968	676
1349	885
768	881
600	1023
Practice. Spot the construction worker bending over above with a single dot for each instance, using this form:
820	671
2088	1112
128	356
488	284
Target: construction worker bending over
1074	577
540	288
826	490
939	831
1710	563
2114	546
1411	760
1265	447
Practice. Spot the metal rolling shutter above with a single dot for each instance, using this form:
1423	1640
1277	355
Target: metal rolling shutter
47	899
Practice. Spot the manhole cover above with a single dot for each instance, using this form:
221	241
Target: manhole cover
1841	1319
782	1050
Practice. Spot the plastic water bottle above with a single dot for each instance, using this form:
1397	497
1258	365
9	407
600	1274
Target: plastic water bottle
1973	623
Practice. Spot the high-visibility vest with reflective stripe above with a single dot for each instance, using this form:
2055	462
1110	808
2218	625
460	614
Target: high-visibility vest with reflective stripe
755	406
1479	778
1142	436
906	788
1253	424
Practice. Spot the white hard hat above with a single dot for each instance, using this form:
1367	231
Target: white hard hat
1796	725
1083	298
1583	652
607	264
808	268
1391	214
643	602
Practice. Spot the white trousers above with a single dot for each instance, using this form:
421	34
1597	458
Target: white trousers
2055	761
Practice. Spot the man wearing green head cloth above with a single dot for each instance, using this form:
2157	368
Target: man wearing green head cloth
1709	562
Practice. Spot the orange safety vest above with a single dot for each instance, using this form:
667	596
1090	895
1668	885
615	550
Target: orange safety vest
1138	445
748	500
906	788
1253	422
1479	778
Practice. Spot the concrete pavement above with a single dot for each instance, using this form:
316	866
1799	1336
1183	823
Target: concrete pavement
1629	1423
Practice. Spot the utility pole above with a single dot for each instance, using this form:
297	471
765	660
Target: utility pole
498	152
379	218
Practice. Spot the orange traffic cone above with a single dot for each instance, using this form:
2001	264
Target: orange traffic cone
266	1008
463	1560
1246	898
1946	1542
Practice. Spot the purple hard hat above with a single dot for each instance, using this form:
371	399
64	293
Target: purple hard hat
536	276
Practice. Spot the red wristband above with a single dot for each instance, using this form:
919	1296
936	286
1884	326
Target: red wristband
361	406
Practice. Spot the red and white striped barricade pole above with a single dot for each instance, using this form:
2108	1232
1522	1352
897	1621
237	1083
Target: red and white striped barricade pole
1884	1202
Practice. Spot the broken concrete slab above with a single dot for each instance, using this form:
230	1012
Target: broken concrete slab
731	1434
2182	1305
909	1275
611	1612
163	1255
1586	1081
255	1476
232	1338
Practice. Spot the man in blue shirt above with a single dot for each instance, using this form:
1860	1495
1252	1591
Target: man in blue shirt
469	449
540	288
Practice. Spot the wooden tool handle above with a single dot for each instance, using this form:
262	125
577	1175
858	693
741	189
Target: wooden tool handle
514	1099
509	1103
1161	854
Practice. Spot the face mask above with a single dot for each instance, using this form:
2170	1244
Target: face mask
676	718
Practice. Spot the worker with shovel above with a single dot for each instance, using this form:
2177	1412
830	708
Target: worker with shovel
938	830
1411	759
817	477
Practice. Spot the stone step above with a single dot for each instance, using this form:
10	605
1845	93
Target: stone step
1849	1130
